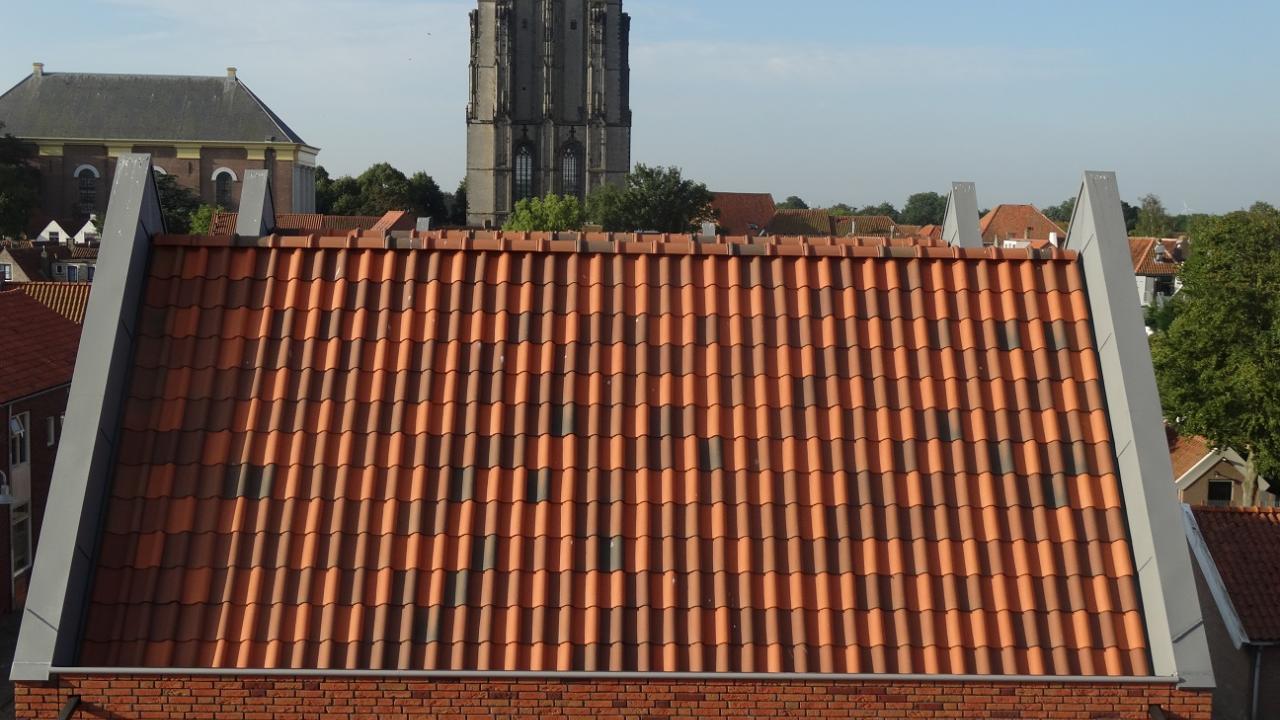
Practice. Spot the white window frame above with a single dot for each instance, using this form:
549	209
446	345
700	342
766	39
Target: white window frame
1208	493
19	439
50	431
20	541
6	271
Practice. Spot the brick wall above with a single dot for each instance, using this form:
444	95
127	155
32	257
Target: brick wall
233	698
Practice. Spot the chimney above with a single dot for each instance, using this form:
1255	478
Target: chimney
37	70
1053	239
231	73
708	229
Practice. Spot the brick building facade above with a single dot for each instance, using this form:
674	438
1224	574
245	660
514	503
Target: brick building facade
204	131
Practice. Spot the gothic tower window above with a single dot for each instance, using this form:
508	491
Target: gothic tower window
524	173
571	180
87	185
223	179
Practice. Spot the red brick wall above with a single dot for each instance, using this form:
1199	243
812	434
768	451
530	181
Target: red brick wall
230	698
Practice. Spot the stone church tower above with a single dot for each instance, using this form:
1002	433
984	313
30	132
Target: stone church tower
550	107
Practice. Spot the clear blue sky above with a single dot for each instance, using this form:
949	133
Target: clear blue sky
834	100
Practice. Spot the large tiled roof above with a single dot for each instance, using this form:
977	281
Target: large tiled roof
224	223
1186	451
1245	546
864	225
67	299
1012	222
506	452
802	222
739	213
37	346
140	107
1143	250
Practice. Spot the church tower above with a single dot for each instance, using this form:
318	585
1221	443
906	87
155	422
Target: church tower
550	107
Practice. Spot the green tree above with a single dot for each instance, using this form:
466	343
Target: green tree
885	208
1218	365
793	203
177	203
19	185
842	210
1153	219
324	191
202	219
458	206
1061	213
552	213
425	198
345	198
383	188
657	199
926	208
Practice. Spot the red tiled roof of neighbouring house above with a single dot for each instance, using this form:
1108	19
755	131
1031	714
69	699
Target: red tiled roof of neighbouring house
930	231
224	223
743	213
863	224
801	223
1186	451
1145	262
37	346
504	452
394	220
83	252
70	300
1017	222
1245	546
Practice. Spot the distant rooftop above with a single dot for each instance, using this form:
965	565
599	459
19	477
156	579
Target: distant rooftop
169	108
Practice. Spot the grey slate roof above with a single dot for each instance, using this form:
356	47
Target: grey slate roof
140	107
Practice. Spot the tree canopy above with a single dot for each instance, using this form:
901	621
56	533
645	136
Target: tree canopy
657	199
793	203
19	185
178	203
1061	213
926	208
378	190
1218	364
552	213
1153	220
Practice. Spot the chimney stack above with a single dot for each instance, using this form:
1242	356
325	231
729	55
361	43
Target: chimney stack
37	69
231	73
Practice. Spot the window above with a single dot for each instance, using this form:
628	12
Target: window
524	173
223	179
50	431
20	537
59	269
72	273
1220	492
54	236
19	440
88	273
6	271
87	182
571	179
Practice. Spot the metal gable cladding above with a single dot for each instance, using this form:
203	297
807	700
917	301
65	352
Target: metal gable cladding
635	455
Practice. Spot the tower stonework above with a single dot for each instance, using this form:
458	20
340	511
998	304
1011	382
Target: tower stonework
550	106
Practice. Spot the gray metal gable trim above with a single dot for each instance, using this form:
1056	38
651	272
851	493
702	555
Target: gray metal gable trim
1171	608
83	468
960	227
1213	578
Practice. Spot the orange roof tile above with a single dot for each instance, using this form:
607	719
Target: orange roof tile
1145	262
1017	222
224	223
488	451
70	300
1245	546
37	346
738	213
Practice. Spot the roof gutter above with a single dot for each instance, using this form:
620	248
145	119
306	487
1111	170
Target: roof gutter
597	675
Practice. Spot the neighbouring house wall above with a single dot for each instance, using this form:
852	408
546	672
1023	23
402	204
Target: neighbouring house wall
52	403
224	698
1233	668
14	267
1197	493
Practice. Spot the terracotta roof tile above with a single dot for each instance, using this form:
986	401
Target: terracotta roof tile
1245	545
1145	261
739	213
1186	451
224	223
1017	222
70	300
488	451
37	346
